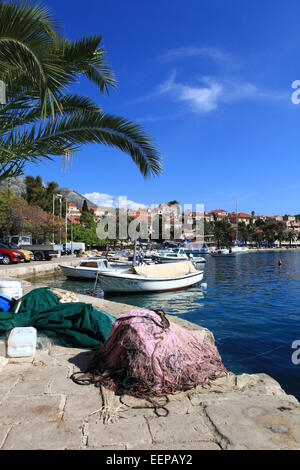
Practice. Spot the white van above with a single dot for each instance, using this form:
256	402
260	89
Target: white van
75	246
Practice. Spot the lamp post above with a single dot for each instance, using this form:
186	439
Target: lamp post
58	196
66	221
72	236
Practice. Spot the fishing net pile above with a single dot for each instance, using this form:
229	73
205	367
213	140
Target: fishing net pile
145	354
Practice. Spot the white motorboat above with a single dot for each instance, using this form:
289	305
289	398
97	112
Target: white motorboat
173	256
89	268
194	256
197	259
198	248
239	249
224	252
153	278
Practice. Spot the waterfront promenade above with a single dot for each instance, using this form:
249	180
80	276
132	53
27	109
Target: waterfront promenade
42	408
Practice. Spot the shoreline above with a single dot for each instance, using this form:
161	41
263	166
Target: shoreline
46	268
264	250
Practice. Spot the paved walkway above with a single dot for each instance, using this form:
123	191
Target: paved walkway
42	408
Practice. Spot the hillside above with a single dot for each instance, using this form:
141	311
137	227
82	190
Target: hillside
17	184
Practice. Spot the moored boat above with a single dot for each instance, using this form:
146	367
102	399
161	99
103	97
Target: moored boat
224	252
197	259
173	256
153	278
88	268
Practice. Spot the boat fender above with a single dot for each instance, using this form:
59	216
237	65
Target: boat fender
204	285
279	262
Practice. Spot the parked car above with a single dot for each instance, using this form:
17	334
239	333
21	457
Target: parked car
11	256
28	254
26	242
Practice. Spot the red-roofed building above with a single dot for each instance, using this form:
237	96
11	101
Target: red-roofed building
240	217
75	220
219	213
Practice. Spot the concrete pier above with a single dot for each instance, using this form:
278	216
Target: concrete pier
36	268
42	408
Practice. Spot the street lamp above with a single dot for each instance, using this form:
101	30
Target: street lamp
58	196
66	222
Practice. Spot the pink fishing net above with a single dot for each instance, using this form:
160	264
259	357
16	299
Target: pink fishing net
147	355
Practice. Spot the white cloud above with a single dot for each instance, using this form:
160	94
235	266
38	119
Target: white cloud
108	200
214	53
210	93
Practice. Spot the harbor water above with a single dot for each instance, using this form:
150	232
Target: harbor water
251	304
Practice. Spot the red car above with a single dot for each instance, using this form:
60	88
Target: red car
11	256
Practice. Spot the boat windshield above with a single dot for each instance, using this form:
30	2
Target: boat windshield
89	264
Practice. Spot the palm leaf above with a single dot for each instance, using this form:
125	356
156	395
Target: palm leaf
66	133
41	119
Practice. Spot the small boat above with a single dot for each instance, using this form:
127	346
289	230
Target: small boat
153	278
197	259
194	256
89	268
224	252
173	256
240	249
198	249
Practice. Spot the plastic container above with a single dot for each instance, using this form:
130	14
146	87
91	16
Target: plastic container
5	302
12	289
22	342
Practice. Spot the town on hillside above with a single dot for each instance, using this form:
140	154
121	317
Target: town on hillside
284	227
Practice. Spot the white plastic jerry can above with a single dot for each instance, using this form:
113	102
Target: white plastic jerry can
22	342
12	289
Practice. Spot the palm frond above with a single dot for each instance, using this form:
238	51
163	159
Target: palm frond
67	133
41	119
85	56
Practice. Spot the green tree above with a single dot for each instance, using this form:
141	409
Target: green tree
83	234
243	232
13	212
291	236
37	194
35	191
280	235
85	206
223	233
87	219
39	118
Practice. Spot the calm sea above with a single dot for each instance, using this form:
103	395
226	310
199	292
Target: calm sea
251	305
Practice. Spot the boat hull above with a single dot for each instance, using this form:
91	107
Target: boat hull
223	255
86	273
113	283
172	260
73	273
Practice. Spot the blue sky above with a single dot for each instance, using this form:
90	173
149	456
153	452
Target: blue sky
210	80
